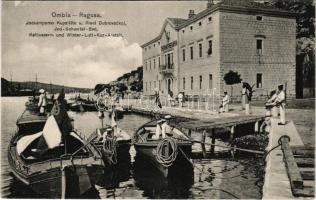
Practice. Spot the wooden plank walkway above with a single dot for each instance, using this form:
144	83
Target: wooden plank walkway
304	157
207	125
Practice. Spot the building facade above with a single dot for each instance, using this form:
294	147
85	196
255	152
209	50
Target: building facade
193	55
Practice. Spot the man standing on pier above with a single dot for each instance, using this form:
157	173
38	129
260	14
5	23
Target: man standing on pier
280	102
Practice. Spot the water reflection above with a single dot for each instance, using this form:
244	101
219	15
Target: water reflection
154	185
114	174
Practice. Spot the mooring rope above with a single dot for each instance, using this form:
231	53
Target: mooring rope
227	147
167	160
109	146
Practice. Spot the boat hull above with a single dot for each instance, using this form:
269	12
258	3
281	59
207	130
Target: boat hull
50	184
148	151
122	151
58	177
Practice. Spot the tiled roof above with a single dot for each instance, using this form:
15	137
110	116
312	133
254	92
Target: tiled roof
248	4
177	21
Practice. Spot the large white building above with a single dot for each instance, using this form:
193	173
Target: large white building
192	55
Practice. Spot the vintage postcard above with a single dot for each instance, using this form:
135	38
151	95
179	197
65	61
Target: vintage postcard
204	99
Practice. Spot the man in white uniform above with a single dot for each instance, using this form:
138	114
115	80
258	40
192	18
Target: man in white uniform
166	128
280	101
42	103
158	129
225	102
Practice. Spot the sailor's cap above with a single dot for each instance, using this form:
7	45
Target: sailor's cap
41	90
109	129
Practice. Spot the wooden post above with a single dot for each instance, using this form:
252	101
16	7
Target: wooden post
203	143
232	132
212	135
257	127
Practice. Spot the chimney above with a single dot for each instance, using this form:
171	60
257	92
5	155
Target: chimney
209	3
191	13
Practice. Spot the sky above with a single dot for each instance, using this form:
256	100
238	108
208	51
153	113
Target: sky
81	62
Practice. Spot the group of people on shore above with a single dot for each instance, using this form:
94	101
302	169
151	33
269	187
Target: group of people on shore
275	102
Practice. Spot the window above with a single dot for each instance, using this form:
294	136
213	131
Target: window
210	47
259	46
259	80
191	28
191	51
191	82
154	45
146	65
259	18
154	63
158	61
201	82
183	83
200	50
210	19
210	82
146	85
150	64
200	23
183	31
183	55
171	58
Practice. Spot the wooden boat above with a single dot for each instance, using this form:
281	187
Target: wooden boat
156	186
30	122
164	154
113	148
56	162
79	104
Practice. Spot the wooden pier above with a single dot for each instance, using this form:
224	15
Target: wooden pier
299	162
207	126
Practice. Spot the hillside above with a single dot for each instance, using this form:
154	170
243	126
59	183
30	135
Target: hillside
132	81
25	88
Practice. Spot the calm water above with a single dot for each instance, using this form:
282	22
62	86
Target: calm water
220	177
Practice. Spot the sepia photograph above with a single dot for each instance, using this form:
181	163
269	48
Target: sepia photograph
211	99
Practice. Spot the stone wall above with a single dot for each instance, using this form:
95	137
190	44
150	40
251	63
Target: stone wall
238	49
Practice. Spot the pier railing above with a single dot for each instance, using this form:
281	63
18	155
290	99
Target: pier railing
205	102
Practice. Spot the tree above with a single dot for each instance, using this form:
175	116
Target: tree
232	78
305	40
305	10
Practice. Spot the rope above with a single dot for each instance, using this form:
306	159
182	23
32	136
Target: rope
109	147
227	147
167	160
279	144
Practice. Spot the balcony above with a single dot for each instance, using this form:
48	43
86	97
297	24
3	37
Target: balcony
166	69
